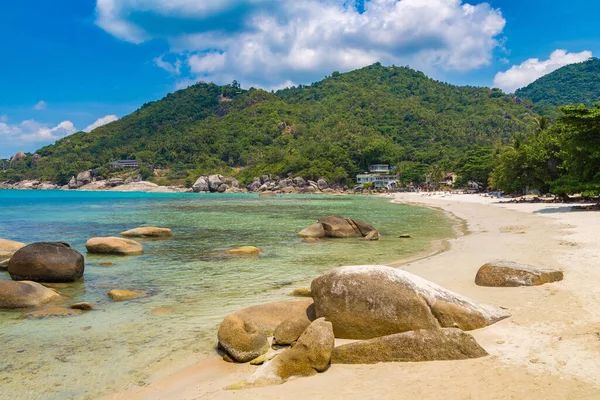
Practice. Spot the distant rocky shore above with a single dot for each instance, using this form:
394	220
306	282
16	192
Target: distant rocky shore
265	185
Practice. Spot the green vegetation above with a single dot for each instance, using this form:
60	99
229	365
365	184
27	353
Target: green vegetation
572	84
334	129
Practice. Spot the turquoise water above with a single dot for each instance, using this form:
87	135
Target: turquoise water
191	282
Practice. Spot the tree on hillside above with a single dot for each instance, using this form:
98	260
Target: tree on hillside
581	149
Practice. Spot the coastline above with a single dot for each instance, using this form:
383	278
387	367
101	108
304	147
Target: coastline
548	347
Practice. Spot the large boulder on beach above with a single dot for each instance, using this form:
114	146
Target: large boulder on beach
8	248
339	227
46	262
242	340
214	181
114	245
148	232
312	231
369	301
412	346
311	354
290	330
512	274
201	185
24	294
269	316
322	184
83	178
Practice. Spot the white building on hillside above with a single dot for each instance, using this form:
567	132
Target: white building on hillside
380	176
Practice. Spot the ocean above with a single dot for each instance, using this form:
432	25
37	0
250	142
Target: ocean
191	282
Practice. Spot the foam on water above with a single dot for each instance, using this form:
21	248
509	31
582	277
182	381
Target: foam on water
192	284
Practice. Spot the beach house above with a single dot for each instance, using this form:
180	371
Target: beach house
124	164
381	176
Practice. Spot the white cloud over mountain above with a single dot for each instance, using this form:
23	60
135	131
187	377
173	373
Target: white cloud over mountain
532	69
271	42
33	131
101	121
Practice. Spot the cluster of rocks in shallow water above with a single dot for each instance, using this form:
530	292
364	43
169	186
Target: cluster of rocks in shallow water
35	266
392	315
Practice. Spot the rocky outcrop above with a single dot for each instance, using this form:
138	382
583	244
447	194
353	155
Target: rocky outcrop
124	295
148	232
46	262
365	302
18	157
8	248
244	251
267	317
24	294
420	345
83	178
511	274
322	184
373	235
290	330
215	184
311	354
114	245
242	340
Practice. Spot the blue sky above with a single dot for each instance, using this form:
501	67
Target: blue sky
70	65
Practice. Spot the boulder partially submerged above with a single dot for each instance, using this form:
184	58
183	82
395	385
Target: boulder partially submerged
412	346
8	248
124	294
512	274
148	232
24	294
46	262
114	245
365	302
53	312
339	227
244	251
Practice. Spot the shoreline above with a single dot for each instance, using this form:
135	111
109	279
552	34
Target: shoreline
548	346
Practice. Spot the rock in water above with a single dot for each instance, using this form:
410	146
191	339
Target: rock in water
311	354
313	231
244	251
148	232
268	316
82	306
339	227
362	227
369	301
46	262
511	274
290	330
420	345
114	245
373	235
242	340
8	248
24	294
124	295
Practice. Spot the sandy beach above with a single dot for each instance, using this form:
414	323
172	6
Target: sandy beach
548	349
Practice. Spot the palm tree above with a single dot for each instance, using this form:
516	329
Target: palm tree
435	175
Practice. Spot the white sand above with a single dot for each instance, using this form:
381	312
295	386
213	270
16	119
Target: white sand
548	349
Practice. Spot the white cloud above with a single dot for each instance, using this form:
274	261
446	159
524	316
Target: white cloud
101	121
530	70
173	68
269	42
40	105
33	131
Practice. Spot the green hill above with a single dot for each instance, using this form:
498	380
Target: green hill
572	84
333	128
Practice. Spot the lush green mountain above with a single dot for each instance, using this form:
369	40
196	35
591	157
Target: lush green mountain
333	128
572	84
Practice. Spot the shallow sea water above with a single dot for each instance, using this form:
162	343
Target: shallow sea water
192	284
